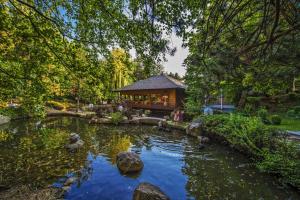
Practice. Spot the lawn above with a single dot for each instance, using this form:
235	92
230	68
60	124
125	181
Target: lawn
290	124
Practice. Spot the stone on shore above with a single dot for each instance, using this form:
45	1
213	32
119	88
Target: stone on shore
4	119
194	128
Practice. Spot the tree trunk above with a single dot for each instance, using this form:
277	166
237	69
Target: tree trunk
243	98
77	98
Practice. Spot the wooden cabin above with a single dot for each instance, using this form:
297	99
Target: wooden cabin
155	93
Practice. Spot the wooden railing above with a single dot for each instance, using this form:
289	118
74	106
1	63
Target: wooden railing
150	106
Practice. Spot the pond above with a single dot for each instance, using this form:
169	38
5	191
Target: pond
33	153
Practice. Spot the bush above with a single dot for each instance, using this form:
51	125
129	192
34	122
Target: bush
297	110
56	105
116	117
262	113
291	113
267	147
248	109
13	113
276	119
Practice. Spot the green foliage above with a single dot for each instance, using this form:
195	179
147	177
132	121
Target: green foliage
283	161
13	113
254	101
116	117
268	147
241	52
249	109
262	113
192	107
291	113
297	109
276	119
38	63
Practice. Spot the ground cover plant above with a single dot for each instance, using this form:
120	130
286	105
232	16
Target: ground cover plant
267	147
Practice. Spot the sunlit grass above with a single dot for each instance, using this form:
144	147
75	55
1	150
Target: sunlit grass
288	123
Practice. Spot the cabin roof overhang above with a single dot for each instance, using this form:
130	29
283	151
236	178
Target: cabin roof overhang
160	82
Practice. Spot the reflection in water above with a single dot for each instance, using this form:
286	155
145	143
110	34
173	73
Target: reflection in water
31	154
115	145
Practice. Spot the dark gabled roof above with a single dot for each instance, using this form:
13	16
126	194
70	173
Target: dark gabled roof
155	82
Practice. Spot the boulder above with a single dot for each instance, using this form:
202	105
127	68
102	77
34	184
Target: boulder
194	128
203	139
128	162
4	119
147	191
74	137
75	146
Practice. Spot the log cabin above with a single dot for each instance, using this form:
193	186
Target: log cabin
159	92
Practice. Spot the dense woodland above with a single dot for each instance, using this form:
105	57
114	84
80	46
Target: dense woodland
69	49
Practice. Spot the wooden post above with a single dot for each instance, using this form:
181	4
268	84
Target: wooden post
150	101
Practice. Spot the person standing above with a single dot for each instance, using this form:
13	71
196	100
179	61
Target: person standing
176	116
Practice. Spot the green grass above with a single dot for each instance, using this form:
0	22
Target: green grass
288	124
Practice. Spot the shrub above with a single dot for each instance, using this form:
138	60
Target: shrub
276	119
116	117
56	105
13	113
291	113
262	113
248	109
297	110
267	147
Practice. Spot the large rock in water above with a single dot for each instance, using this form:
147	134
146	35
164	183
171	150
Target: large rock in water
75	146
74	142
4	119
194	128
128	162
147	191
74	137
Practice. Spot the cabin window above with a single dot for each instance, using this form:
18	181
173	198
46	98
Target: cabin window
160	99
146	100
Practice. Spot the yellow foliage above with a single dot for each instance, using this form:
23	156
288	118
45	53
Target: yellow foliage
4	136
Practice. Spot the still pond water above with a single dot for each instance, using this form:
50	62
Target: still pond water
34	153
